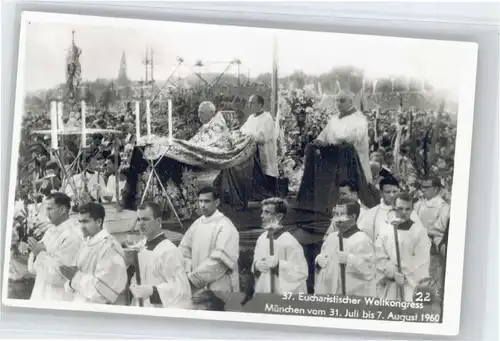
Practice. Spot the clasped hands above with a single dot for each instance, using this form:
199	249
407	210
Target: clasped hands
323	260
141	291
266	263
398	277
35	246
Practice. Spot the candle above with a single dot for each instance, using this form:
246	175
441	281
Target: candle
53	124
148	119
60	123
137	120
84	126
170	123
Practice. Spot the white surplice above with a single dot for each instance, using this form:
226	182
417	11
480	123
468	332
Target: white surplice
261	128
62	244
292	269
414	246
210	248
163	268
352	128
76	183
102	273
360	267
434	215
374	219
110	189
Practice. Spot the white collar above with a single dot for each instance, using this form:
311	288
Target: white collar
99	237
434	202
217	214
384	206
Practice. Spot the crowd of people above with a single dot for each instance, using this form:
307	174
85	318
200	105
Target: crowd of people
381	249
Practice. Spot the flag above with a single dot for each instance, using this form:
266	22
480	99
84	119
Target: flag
73	70
274	80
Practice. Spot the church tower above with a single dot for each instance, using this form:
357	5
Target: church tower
122	73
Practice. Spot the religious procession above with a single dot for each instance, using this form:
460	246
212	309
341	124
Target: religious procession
170	196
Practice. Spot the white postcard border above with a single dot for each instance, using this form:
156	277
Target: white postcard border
454	270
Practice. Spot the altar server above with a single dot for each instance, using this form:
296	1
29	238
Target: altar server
211	247
100	274
346	263
373	220
279	264
402	253
164	282
347	190
59	246
260	125
350	126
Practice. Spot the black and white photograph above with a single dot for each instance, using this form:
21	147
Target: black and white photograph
248	174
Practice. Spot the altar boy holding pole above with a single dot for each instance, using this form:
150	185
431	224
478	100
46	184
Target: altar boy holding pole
346	264
402	252
279	264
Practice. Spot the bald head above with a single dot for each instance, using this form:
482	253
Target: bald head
206	111
344	101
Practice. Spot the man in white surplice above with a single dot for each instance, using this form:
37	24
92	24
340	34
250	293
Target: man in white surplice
260	125
164	282
59	246
398	281
284	268
100	274
211	247
350	126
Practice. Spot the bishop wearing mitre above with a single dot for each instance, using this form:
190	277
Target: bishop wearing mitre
164	282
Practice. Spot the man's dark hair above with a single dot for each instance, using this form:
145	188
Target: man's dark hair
280	205
388	181
353	207
347	183
260	99
210	189
404	197
155	208
94	210
60	199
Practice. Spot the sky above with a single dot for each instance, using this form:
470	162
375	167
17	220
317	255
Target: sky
102	44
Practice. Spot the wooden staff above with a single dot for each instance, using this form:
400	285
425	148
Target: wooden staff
342	266
138	274
271	252
398	260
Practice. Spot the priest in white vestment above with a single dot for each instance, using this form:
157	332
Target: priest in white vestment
213	126
433	210
279	264
211	247
260	125
374	219
350	126
59	246
100	274
357	256
83	184
413	245
164	281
